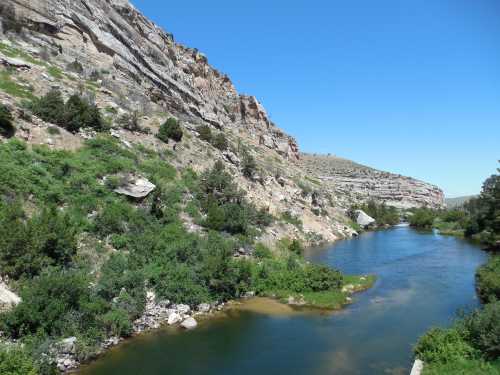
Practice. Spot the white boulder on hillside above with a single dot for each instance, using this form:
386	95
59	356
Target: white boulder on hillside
363	219
136	187
8	299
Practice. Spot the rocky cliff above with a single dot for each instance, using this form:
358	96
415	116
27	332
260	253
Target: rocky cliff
358	183
107	51
112	34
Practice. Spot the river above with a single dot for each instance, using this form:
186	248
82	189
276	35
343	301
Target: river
423	280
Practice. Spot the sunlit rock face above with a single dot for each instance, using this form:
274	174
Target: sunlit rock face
113	33
355	183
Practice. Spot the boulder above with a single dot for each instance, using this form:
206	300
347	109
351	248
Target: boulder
174	318
189	323
204	308
363	219
136	187
68	345
183	309
13	63
8	299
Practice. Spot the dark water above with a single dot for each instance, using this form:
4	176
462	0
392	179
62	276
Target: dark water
423	279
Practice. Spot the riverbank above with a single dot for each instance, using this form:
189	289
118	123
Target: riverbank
159	314
415	288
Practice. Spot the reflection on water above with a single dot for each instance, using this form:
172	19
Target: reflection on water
423	279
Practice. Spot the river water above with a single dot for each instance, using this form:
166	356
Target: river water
423	280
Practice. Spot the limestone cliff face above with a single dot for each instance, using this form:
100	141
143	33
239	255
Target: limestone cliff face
357	183
113	33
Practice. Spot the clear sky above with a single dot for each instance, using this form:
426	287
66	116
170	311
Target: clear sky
407	86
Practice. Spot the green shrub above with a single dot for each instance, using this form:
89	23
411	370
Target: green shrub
170	129
56	303
117	323
321	278
15	361
76	113
422	218
488	280
296	247
262	252
289	218
29	246
75	66
205	133
130	121
248	164
482	328
7	128
80	114
443	345
220	142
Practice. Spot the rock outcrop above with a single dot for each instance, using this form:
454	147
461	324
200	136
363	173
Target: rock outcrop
356	183
113	34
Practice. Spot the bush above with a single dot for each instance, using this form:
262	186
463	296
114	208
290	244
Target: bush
80	114
7	128
15	361
170	130
443	345
117	323
422	218
56	303
29	246
482	328
75	66
262	252
76	113
248	164
220	142
205	133
130	121
50	108
296	247
322	278
488	280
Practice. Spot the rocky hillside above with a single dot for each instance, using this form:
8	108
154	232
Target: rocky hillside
108	52
353	182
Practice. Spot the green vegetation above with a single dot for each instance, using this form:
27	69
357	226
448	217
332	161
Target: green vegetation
289	218
219	141
488	280
474	340
73	115
170	129
16	361
422	218
472	344
248	164
7	128
11	87
81	255
383	214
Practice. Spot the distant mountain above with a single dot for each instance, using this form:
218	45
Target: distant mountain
458	201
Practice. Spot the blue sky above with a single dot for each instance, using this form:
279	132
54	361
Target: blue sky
411	87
